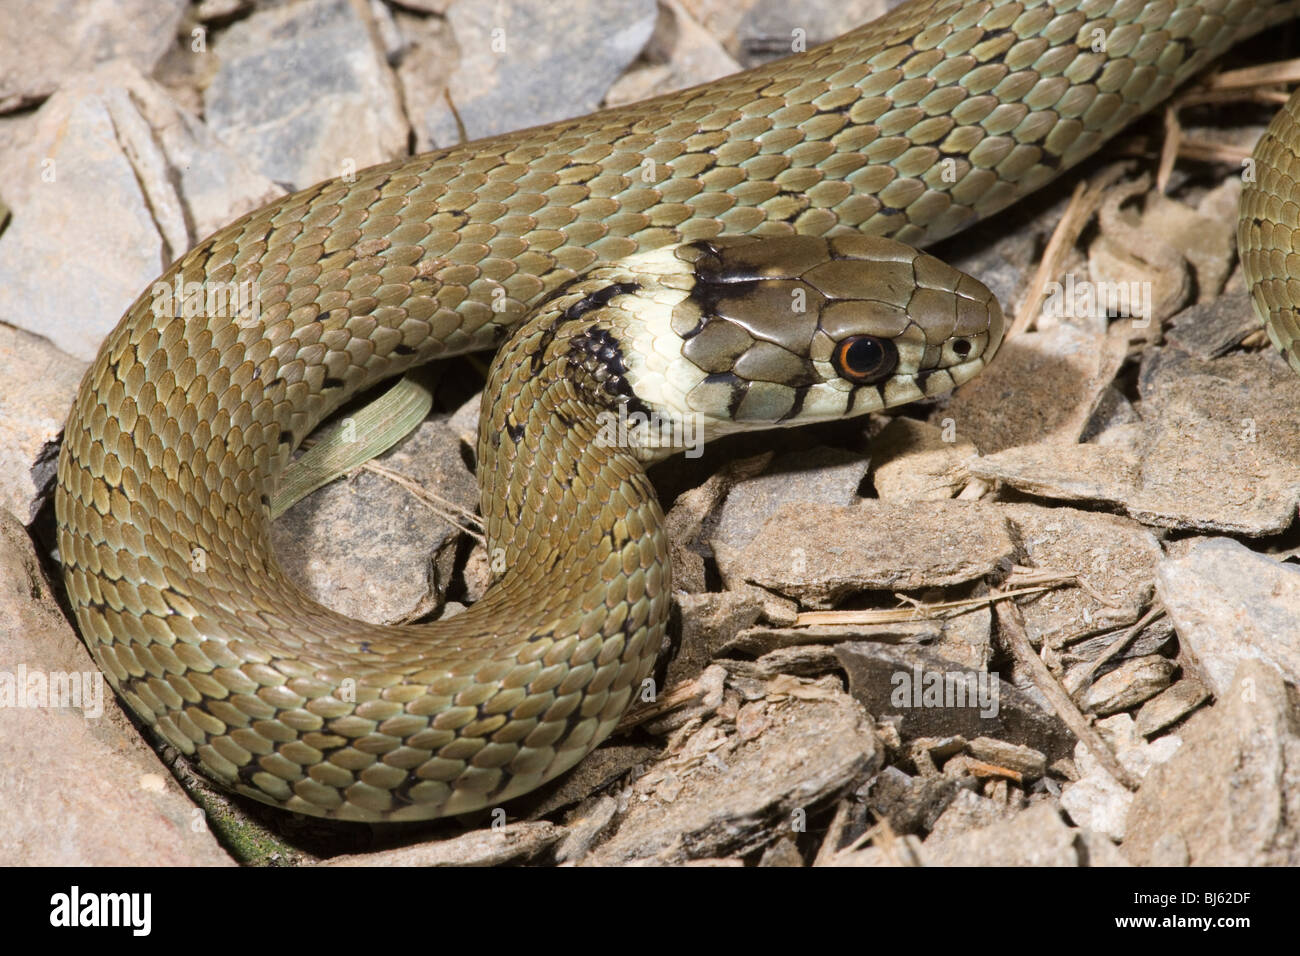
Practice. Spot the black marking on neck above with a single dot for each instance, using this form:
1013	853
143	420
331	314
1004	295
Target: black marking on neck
601	355
599	299
516	431
593	300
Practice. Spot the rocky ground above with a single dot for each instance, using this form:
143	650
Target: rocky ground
1095	534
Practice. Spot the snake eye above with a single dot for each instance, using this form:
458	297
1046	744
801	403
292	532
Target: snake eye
961	347
865	359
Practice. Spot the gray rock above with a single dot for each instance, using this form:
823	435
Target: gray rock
362	545
37	383
710	622
1232	604
1209	329
1218	450
680	53
964	639
1221	450
1114	556
716	795
1231	795
115	142
304	91
1100	474
522	64
78	785
43	45
78	149
817	476
1037	836
910	804
761	30
1096	800
968	811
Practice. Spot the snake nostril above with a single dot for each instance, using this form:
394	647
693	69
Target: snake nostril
961	347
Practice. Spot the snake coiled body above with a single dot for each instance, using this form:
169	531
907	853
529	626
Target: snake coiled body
911	127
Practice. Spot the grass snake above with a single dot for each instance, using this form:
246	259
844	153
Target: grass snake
728	255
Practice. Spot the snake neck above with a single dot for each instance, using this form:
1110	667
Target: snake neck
563	499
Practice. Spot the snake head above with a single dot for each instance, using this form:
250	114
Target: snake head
748	332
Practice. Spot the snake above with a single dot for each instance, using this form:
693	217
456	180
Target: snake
741	254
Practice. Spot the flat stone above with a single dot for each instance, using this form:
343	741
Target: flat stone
1210	329
512	843
1154	638
1217	451
518	66
304	91
44	45
1231	795
1114	556
918	461
680	53
1098	474
1170	706
817	476
1222	446
709	624
78	148
718	795
157	180
78	785
761	30
1232	604
819	555
1026	761
1037	836
1133	682
963	640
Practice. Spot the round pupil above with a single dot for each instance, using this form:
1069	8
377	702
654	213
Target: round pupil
862	356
